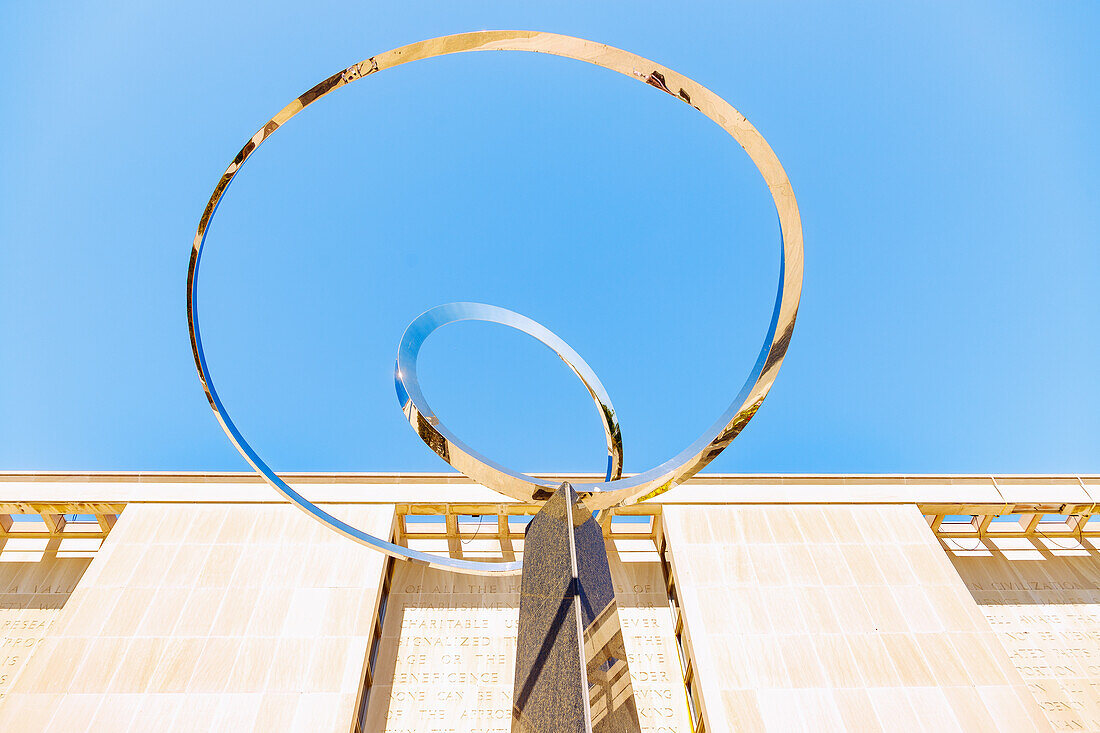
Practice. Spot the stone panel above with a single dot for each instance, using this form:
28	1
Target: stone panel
32	594
208	617
447	657
571	672
836	618
1045	609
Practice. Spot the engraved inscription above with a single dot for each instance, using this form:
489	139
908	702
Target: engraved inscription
1046	614
447	658
31	597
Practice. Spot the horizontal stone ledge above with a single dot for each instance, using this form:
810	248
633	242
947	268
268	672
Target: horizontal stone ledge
18	489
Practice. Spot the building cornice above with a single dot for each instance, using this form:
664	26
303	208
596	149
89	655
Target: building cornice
1057	494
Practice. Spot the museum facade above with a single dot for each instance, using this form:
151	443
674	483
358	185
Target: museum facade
189	601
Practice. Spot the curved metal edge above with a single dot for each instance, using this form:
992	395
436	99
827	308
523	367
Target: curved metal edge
314	511
703	450
443	442
597	496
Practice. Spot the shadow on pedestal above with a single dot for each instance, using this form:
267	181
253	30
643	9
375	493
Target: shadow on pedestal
571	669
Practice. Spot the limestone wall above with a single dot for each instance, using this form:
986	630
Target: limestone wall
448	653
836	618
208	617
32	595
1044	606
249	616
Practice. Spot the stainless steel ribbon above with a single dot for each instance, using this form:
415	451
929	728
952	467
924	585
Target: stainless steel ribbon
614	490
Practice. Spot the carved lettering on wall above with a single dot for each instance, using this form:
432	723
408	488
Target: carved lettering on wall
1046	614
447	658
31	597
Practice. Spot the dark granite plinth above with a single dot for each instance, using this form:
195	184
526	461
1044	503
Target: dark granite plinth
571	671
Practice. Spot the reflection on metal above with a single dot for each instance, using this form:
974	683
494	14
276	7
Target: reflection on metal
441	440
571	666
600	494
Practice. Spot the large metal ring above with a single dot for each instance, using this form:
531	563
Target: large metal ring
636	488
437	437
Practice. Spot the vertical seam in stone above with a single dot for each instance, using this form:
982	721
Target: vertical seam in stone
570	505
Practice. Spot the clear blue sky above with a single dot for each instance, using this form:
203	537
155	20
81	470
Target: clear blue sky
944	156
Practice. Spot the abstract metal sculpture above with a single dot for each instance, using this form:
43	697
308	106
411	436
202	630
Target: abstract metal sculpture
615	490
576	659
439	439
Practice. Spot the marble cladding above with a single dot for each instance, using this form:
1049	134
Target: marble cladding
208	617
836	618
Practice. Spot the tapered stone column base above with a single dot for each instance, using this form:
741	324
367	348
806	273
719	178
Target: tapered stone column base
571	670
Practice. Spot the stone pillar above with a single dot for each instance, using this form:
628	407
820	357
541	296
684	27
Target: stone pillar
571	664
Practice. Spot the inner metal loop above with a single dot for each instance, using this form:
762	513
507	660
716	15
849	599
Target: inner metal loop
597	495
437	437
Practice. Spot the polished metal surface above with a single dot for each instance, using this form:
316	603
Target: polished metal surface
437	437
600	495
